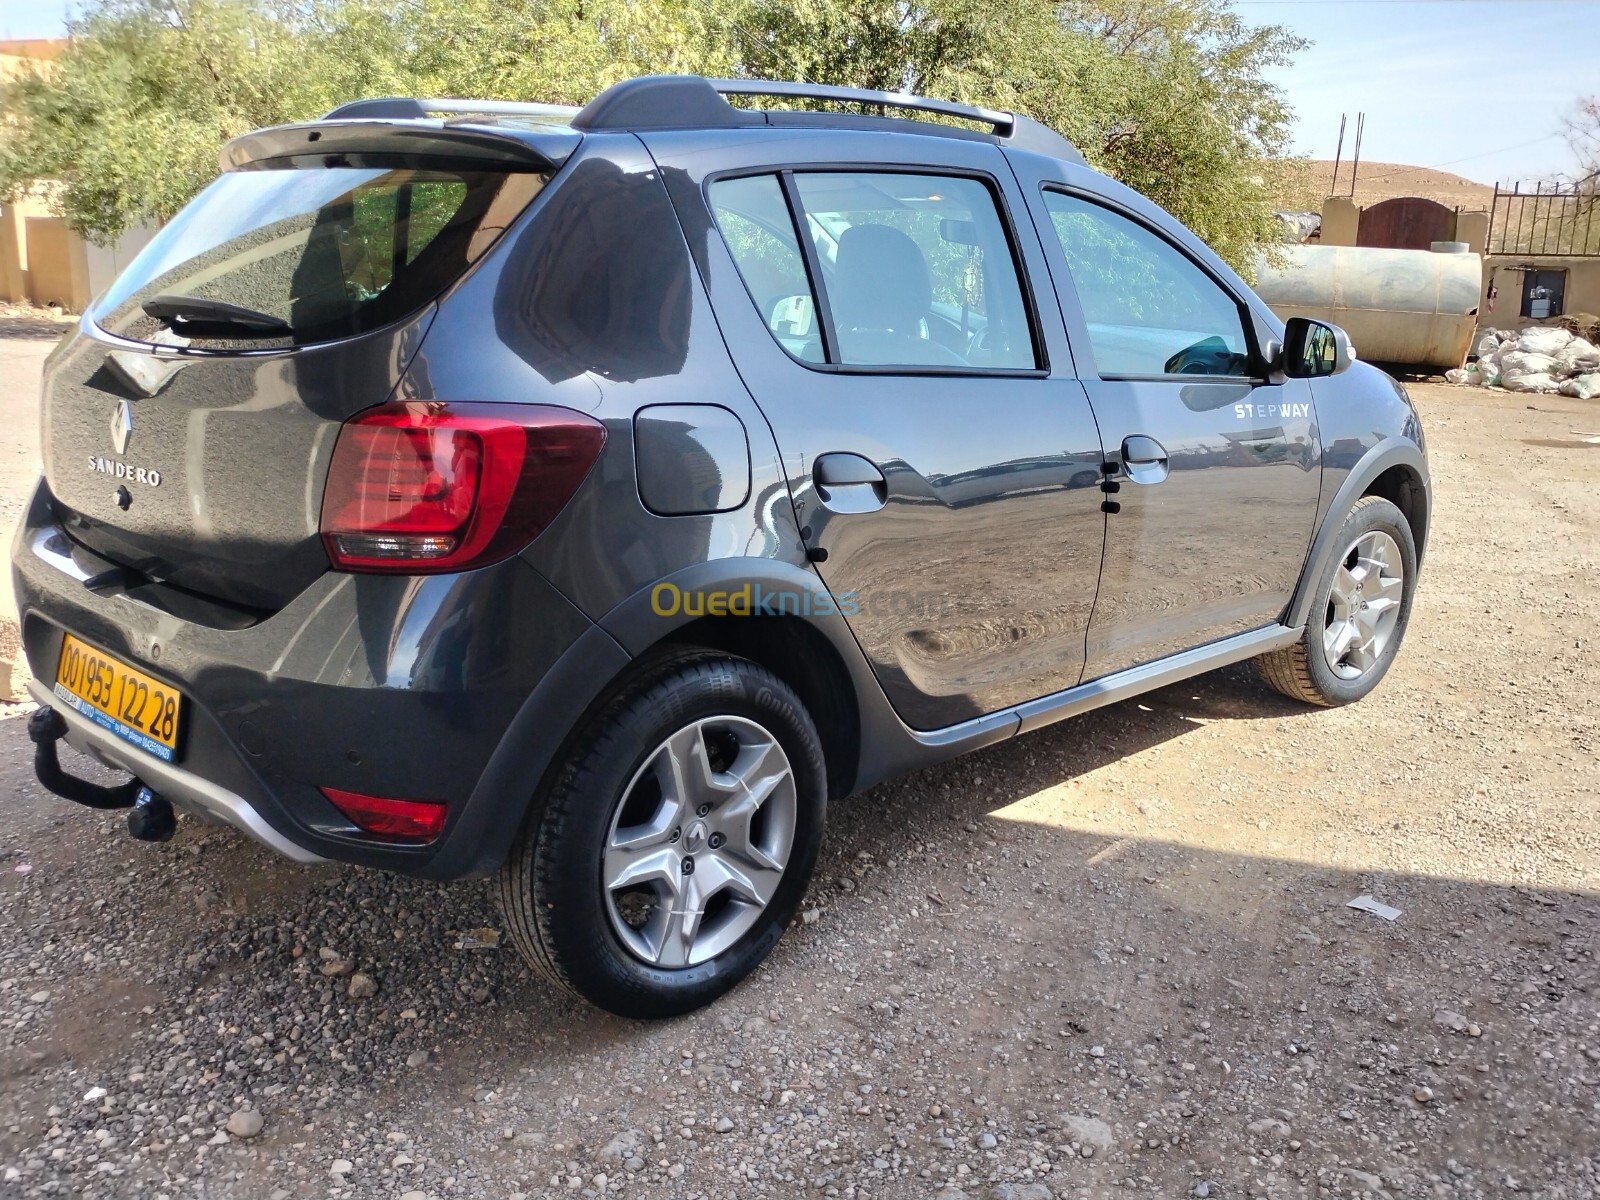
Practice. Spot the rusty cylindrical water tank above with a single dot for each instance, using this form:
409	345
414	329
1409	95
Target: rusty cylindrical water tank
1414	307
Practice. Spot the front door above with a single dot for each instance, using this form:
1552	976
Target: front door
943	461
1219	468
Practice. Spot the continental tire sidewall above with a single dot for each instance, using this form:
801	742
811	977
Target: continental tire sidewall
1372	512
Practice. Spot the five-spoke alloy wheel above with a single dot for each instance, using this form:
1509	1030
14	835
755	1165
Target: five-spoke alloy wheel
1359	612
699	842
1364	604
664	862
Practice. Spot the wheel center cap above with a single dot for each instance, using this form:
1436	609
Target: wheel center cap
695	837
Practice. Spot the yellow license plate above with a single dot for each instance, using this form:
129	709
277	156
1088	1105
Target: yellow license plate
117	698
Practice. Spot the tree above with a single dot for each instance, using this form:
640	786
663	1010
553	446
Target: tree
128	120
1583	135
1166	95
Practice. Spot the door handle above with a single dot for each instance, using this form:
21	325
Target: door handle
1144	459
849	483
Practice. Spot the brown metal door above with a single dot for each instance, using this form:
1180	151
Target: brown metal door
1405	223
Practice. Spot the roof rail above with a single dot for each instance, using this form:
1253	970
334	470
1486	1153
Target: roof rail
410	108
1001	122
693	102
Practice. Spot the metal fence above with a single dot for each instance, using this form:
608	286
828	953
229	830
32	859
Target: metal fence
1554	219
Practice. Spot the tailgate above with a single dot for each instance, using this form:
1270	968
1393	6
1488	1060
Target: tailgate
188	427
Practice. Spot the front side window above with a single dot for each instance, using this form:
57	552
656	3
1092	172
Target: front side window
917	270
1150	309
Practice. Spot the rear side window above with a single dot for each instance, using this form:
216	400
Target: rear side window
754	218
914	270
1150	309
311	254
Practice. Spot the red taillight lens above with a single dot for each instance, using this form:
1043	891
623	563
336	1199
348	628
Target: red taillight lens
428	487
403	820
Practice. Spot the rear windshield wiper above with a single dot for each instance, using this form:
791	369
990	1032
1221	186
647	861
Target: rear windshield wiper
199	316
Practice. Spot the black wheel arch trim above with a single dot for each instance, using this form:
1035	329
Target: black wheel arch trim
886	745
482	838
1389	453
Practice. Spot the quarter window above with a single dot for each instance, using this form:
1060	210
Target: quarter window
754	218
917	270
1150	309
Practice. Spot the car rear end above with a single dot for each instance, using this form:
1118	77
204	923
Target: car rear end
257	573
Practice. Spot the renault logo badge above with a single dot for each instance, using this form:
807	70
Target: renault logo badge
121	426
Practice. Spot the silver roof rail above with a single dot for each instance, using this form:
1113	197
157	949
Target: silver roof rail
1003	123
692	102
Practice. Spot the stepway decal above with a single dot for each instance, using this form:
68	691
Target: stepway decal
1279	412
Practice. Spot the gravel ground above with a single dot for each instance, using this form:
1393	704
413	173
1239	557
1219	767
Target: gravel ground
1111	958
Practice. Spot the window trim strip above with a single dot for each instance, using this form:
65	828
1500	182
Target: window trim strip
813	264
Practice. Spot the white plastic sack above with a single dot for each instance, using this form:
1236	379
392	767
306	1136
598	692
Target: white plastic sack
1488	372
1532	381
1458	375
1578	357
1584	387
1488	344
1543	341
1526	362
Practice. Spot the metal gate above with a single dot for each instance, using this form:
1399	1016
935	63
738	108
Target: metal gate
1555	219
1405	223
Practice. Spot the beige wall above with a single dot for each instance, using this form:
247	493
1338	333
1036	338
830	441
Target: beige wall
44	262
1341	220
41	260
58	271
1506	270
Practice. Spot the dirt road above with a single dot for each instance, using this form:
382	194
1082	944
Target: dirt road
1111	958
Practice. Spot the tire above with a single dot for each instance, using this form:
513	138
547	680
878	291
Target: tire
596	890
1379	547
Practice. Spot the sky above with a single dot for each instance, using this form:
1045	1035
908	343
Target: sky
1477	87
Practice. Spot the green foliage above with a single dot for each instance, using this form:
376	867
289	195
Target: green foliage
1166	95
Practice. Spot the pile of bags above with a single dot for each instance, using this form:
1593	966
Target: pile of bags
1535	360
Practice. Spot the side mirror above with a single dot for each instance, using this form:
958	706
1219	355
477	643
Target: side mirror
1312	349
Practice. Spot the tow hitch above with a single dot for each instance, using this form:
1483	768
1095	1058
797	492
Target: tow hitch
151	818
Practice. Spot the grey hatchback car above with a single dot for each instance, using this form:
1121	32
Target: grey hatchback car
588	496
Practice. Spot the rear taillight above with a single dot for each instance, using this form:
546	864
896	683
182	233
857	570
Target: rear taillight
428	487
398	820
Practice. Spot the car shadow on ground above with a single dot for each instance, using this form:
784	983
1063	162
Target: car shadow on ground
1243	973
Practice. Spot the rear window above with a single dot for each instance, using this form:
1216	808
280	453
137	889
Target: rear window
293	256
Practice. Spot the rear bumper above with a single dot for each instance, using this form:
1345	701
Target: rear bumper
183	788
384	685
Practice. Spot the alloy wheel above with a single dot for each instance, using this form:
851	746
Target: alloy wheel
1364	605
699	842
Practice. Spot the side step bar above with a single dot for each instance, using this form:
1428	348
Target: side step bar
1097	693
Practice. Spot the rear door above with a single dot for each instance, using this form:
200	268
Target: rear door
1218	466
943	461
187	430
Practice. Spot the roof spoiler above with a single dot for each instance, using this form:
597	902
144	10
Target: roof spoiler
400	141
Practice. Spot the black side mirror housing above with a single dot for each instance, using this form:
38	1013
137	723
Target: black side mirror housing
1313	349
